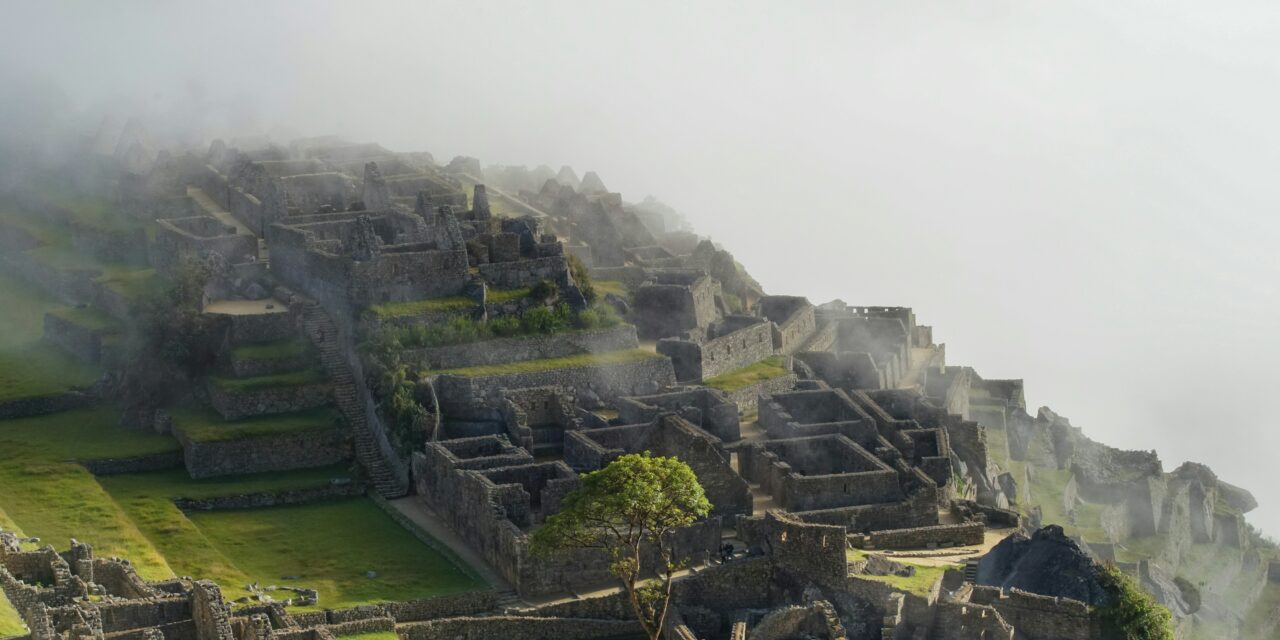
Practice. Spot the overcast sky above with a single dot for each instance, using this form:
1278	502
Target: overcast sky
1081	194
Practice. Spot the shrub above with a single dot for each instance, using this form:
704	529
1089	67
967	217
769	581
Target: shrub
1132	614
581	277
544	290
598	316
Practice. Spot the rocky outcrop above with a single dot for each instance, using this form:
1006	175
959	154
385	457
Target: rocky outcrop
1048	563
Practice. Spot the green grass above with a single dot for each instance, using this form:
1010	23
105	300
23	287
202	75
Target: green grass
10	622
767	369
42	370
52	498
203	425
22	314
375	635
456	304
611	286
551	364
147	500
277	350
920	584
268	544
274	381
89	318
503	296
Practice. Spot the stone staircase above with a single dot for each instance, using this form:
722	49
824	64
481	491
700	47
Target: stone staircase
971	571
509	602
324	334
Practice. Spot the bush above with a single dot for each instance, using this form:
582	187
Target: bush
1132	614
544	290
505	327
545	321
598	316
581	277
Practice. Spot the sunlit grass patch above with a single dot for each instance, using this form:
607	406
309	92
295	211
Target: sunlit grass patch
551	364
274	381
767	369
276	350
455	304
919	584
355	538
204	425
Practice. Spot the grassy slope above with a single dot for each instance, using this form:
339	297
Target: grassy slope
920	584
376	635
767	369
204	425
147	499
536	366
456	304
275	350
29	367
274	381
52	498
357	538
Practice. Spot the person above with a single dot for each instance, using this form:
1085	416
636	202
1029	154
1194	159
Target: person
726	552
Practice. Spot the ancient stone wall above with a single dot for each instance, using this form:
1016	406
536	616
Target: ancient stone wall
606	380
198	237
793	319
942	535
233	404
665	308
1038	617
503	350
747	398
526	273
730	344
706	408
519	627
279	452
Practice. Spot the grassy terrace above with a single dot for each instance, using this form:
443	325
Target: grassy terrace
275	381
376	635
611	286
503	296
48	496
455	304
147	500
551	364
920	584
277	350
30	368
767	369
204	425
357	538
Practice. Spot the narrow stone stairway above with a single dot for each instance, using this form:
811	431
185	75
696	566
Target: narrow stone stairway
324	334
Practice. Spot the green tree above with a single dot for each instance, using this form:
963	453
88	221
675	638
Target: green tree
625	508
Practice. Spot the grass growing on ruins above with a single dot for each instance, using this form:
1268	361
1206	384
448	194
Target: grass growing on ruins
10	622
51	497
274	381
147	499
276	350
331	546
919	584
551	364
456	304
767	369
205	425
375	635
503	296
612	286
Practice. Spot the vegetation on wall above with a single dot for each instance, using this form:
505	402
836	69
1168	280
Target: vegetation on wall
1132	614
